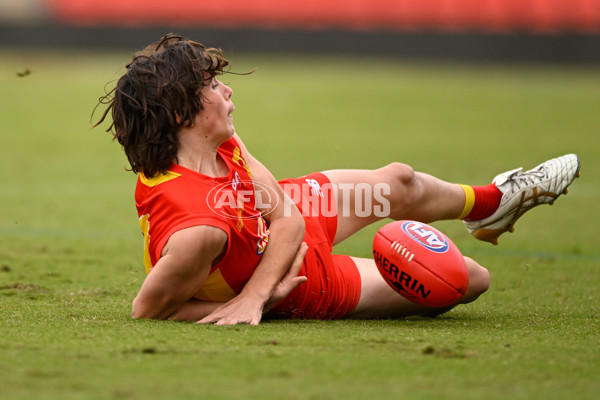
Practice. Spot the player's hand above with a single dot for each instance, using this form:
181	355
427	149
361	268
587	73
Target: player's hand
242	309
248	309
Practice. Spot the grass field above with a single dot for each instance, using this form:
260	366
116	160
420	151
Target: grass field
70	250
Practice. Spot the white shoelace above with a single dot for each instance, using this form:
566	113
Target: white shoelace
525	178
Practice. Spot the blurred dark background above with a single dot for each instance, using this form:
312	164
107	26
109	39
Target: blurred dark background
561	31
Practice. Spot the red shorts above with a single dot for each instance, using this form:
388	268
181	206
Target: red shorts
333	286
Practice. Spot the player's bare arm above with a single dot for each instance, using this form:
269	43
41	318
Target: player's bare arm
184	266
286	234
194	310
160	298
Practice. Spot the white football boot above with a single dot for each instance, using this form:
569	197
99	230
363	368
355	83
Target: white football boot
524	190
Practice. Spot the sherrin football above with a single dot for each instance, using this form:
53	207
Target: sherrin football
420	263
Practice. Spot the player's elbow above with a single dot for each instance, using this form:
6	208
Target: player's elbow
138	312
292	222
300	227
297	229
144	310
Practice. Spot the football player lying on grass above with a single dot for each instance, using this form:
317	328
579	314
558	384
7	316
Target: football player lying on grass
224	239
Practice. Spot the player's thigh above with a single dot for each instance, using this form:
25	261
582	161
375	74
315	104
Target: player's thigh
366	196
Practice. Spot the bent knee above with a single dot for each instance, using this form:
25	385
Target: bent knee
479	280
402	173
403	183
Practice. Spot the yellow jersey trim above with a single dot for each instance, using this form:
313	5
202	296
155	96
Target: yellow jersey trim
158	179
215	288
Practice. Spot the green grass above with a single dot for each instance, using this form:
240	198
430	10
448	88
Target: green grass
70	250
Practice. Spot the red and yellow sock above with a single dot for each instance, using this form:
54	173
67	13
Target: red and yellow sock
480	201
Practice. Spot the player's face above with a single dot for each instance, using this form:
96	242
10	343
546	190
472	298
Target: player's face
216	119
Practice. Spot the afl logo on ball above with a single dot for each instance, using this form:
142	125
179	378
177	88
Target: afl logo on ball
426	236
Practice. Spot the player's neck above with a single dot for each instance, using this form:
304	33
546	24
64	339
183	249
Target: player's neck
200	154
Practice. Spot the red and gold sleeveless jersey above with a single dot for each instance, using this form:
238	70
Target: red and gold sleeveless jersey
183	198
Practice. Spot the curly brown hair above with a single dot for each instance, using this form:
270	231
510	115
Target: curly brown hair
159	94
